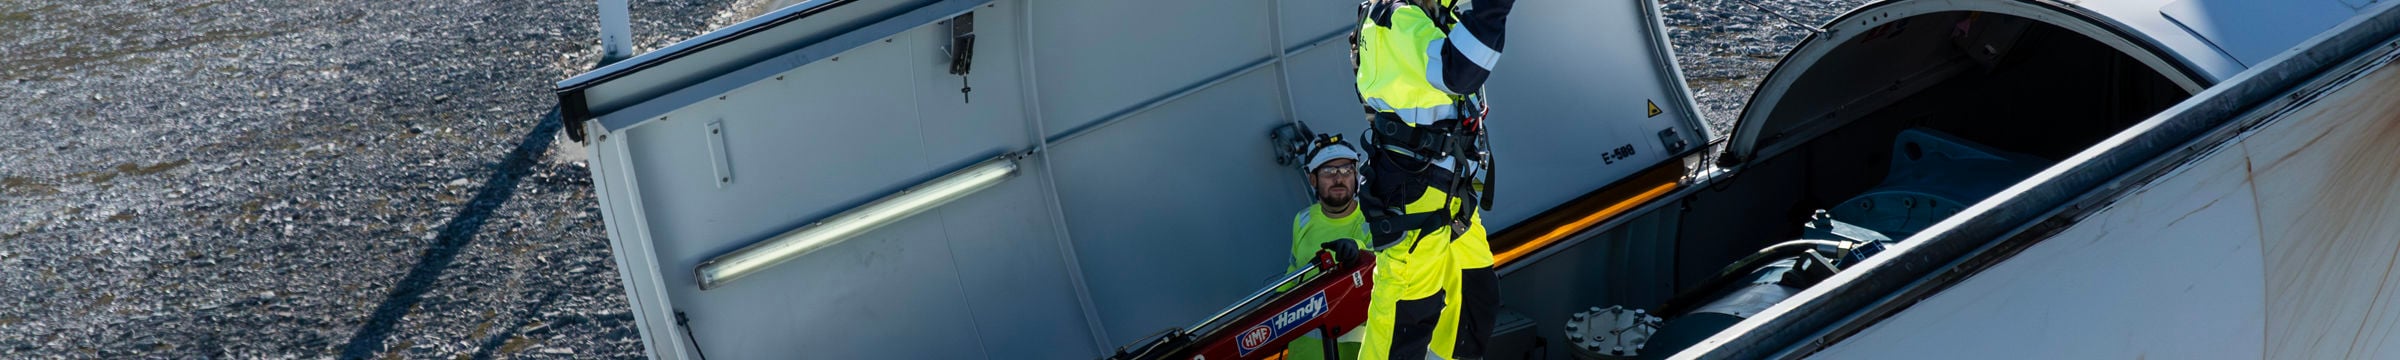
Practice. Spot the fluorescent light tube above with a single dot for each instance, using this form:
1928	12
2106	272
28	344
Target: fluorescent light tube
718	271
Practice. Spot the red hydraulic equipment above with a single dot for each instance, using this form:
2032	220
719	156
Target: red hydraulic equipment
1327	305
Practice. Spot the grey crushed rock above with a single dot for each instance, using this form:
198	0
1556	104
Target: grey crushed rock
254	179
1727	46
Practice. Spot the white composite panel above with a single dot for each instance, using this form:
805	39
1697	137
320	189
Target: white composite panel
1177	210
1575	84
658	86
1168	205
1165	242
1096	58
2278	245
818	139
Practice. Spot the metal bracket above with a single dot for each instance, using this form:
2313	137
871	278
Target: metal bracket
1290	142
962	51
716	153
962	43
1674	143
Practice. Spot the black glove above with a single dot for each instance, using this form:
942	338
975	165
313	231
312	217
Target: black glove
1345	251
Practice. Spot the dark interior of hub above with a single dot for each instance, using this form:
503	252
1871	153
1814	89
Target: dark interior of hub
1890	131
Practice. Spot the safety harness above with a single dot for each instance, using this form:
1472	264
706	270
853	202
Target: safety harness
1412	151
1412	148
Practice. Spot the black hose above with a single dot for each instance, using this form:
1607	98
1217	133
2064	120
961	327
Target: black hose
1687	300
686	324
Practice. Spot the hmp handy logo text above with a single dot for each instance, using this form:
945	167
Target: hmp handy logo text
1283	322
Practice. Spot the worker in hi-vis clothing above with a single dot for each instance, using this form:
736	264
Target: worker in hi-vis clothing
1331	223
1421	66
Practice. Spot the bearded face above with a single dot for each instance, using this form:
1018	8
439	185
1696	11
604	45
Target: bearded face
1336	182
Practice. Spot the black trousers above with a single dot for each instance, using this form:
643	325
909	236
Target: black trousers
1480	295
1412	326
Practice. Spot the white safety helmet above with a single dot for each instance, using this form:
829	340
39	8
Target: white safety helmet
1329	148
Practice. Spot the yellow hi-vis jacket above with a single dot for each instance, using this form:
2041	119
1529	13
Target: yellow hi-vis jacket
1311	229
1411	65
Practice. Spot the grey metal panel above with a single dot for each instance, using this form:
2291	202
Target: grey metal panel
786	134
1323	92
962	281
896	292
693	222
2251	31
629	240
1006	254
960	129
644	98
1305	20
1100	57
1573	86
1166	238
1172	211
1009	267
688	62
1630	263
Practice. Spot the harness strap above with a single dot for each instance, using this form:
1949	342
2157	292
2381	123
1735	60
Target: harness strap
1387	230
1428	142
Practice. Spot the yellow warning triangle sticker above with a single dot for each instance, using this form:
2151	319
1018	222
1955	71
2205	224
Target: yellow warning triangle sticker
1653	107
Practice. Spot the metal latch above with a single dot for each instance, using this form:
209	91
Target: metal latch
962	51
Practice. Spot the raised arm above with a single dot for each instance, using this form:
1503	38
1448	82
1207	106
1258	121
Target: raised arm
1462	62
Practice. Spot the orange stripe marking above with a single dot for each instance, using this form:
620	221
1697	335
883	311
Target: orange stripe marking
1588	220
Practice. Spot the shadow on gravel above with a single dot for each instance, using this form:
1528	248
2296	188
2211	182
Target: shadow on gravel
506	342
455	236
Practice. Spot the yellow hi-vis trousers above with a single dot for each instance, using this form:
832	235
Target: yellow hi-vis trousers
1410	279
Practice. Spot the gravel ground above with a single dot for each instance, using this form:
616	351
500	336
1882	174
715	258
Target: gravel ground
302	178
1727	46
350	178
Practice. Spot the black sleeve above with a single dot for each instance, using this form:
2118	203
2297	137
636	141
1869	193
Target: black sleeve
1465	59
